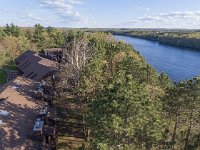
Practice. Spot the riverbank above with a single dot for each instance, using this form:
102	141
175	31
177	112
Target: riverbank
184	40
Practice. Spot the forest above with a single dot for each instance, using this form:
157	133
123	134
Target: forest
123	102
15	40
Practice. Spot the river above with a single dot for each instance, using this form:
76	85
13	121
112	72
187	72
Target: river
178	63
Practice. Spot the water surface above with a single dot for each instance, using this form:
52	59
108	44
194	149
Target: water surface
178	63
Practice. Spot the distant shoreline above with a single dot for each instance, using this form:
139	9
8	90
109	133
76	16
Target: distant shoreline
172	41
160	42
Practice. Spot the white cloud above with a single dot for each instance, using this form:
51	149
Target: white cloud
4	10
143	8
60	13
35	18
185	19
31	19
65	9
152	18
182	15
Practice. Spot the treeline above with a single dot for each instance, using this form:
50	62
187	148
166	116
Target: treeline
124	102
189	39
15	40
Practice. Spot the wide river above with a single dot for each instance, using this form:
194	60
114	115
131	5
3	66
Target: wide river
178	63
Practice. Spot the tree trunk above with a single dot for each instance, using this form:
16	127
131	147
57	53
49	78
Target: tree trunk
84	58
188	132
77	62
174	130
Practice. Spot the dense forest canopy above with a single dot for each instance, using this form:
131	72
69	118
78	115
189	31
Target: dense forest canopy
15	40
124	103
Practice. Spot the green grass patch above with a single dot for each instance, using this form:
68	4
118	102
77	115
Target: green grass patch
68	138
13	67
67	142
3	76
69	128
10	65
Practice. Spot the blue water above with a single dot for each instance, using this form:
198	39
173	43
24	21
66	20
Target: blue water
178	63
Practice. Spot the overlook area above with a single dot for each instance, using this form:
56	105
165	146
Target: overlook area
93	80
99	75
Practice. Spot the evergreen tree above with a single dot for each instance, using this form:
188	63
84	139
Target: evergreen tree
12	30
38	36
123	117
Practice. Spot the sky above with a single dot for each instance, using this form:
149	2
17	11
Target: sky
102	13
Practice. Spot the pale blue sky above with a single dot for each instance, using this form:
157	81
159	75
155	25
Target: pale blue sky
102	13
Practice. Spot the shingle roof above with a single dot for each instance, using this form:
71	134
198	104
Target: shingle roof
34	66
18	101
